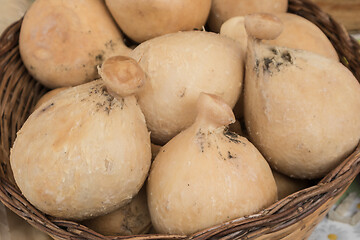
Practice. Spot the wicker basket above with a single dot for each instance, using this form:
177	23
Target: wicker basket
291	218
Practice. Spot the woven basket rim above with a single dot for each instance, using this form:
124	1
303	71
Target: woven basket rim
280	215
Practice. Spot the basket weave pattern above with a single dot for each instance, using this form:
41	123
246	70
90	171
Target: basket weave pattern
291	218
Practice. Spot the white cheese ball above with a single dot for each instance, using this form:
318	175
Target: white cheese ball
83	153
62	42
142	20
301	109
131	219
222	10
179	66
207	175
298	33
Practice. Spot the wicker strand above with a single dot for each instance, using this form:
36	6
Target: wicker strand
346	46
